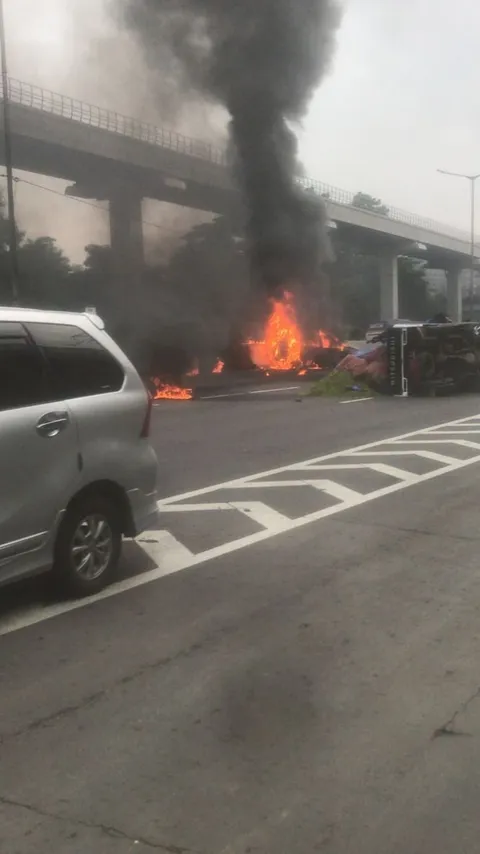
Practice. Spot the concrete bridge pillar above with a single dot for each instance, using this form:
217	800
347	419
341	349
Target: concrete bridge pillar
126	240
388	263
126	233
454	294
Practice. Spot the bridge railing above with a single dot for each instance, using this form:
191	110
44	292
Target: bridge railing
45	100
344	197
80	111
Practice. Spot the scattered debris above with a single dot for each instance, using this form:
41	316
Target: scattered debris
339	384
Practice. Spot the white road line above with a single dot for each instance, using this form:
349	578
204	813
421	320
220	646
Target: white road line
165	550
428	455
463	443
381	468
336	490
182	558
241	481
392	471
175	558
195	508
357	400
466	433
219	396
261	513
328	467
246	391
273	390
256	510
473	426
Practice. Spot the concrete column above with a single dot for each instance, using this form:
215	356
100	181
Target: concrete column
126	234
388	264
126	240
454	295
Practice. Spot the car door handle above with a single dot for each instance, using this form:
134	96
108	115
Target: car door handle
51	424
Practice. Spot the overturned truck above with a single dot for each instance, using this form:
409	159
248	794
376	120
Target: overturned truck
419	358
426	358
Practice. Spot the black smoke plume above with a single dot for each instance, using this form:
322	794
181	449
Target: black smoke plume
261	59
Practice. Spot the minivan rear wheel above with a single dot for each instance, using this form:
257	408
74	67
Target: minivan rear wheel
88	546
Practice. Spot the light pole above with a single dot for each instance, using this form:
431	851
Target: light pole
8	164
473	180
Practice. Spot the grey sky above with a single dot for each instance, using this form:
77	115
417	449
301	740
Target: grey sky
400	101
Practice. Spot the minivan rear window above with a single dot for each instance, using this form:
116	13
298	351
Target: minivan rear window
78	366
21	369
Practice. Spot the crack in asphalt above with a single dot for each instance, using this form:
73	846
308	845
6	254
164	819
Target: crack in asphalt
107	829
448	728
158	664
40	723
91	699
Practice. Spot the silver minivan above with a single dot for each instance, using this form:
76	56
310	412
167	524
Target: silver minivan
77	471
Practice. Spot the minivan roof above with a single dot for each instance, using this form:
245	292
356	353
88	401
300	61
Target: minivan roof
33	315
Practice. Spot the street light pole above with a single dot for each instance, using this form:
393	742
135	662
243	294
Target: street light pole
13	254
473	182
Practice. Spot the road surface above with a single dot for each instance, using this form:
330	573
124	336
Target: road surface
300	673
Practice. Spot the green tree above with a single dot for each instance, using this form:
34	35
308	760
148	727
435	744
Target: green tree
44	274
370	203
355	281
94	282
44	270
415	299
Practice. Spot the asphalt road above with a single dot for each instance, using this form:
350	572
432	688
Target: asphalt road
305	686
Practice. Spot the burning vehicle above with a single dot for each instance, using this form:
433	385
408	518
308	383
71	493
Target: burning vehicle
272	349
261	62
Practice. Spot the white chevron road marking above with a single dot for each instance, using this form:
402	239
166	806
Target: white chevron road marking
171	556
381	468
427	455
266	516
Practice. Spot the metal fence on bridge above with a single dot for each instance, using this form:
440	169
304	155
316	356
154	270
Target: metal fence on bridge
37	98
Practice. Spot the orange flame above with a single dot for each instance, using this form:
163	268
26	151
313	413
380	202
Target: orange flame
327	340
282	348
282	345
164	391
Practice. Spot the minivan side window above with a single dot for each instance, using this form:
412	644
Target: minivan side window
78	366
22	380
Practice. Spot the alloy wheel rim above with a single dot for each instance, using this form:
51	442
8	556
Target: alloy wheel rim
92	547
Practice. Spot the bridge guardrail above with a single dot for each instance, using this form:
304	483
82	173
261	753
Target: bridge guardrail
36	97
56	104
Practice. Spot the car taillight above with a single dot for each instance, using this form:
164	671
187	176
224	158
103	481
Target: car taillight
145	432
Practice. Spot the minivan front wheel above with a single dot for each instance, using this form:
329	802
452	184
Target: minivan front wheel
88	546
